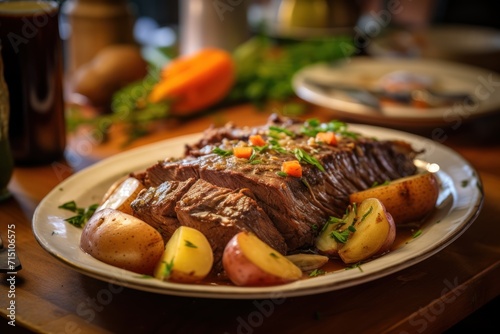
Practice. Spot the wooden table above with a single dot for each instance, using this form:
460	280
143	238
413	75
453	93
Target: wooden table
428	297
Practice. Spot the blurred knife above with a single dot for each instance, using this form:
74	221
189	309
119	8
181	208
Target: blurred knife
360	95
371	98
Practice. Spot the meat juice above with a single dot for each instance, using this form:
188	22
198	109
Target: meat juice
32	56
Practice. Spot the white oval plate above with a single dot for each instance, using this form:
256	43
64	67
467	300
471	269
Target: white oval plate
458	205
479	83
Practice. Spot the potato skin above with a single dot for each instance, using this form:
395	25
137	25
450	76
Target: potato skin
407	199
122	240
247	262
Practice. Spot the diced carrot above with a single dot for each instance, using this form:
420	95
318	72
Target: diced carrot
292	168
327	138
257	140
244	152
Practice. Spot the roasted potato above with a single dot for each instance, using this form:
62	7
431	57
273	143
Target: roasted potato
407	199
122	240
328	245
374	233
188	257
121	195
248	261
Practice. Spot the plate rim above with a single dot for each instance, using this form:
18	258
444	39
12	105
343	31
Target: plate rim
232	292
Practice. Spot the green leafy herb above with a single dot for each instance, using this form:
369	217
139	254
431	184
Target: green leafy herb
317	272
302	156
82	214
417	234
260	149
313	126
168	268
190	244
281	173
275	145
367	213
465	183
263	75
340	236
274	255
354	266
281	130
221	152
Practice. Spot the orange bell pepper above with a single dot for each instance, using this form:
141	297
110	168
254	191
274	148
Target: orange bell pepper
196	81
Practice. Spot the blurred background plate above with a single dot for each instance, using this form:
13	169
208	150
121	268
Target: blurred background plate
363	72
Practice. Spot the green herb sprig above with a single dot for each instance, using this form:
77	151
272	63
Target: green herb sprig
82	214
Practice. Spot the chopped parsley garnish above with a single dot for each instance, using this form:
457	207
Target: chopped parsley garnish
367	213
417	234
276	146
190	244
465	183
274	255
282	174
302	156
356	265
317	272
168	268
280	130
82	214
343	235
260	148
313	126
221	152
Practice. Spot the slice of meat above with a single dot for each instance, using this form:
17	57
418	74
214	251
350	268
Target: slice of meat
220	213
156	205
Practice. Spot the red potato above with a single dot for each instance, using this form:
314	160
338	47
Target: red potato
407	199
122	240
374	235
248	261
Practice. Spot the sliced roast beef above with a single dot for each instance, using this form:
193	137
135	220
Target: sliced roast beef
297	206
156	205
220	213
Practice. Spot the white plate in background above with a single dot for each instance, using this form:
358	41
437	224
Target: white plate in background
481	84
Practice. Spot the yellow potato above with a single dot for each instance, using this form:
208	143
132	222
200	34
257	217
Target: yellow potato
374	233
121	195
187	258
122	240
248	261
325	243
407	199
